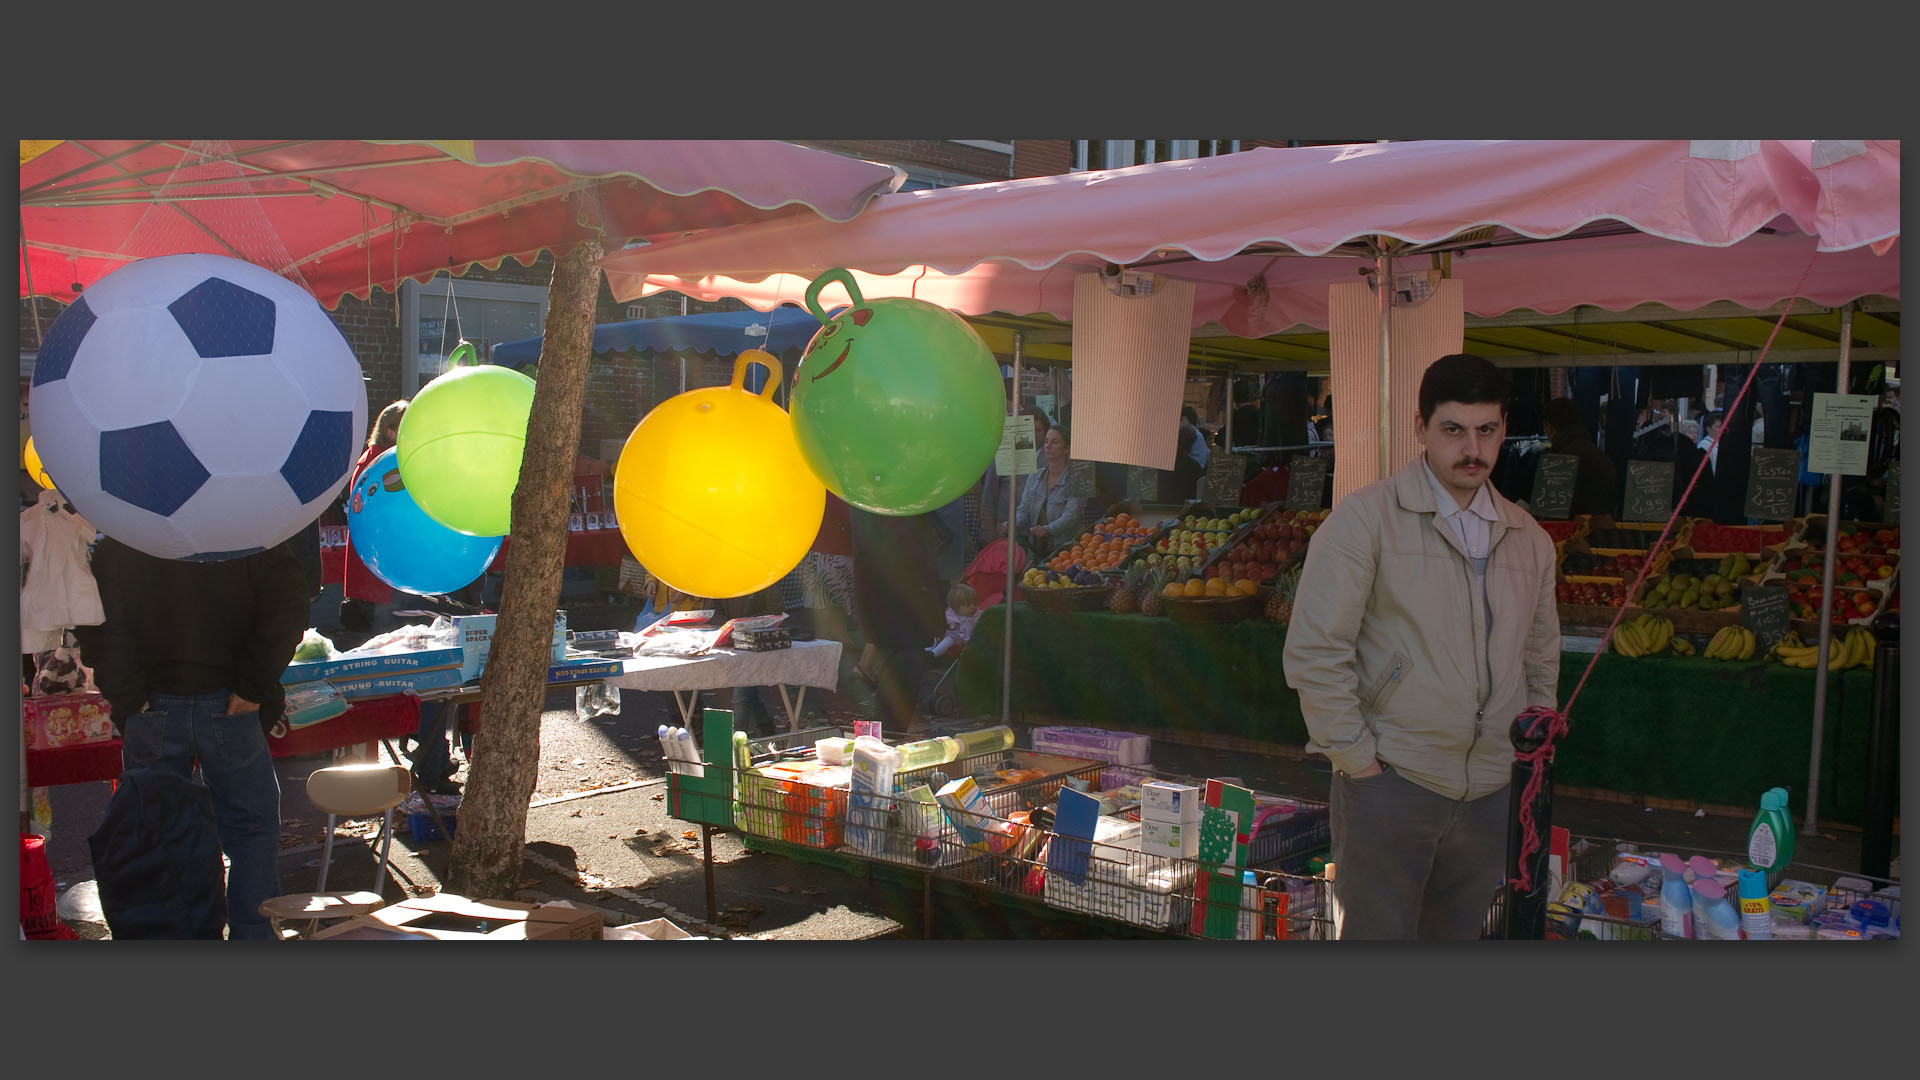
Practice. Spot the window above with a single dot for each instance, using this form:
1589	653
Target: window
435	316
1093	154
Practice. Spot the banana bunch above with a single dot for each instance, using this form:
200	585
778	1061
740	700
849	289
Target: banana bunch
1731	643
1683	647
1854	648
1643	636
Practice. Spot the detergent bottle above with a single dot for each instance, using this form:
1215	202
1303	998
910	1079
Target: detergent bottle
1676	898
1770	841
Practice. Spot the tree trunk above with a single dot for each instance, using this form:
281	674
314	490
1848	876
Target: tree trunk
488	847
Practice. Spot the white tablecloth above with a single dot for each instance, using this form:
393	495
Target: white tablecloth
806	663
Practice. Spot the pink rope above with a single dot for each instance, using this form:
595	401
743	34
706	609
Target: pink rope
1556	719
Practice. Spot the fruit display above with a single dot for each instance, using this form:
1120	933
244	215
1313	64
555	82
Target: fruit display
1038	578
1280	604
1617	539
1731	643
1561	531
1586	563
1703	537
1590	593
1803	601
1276	540
1713	592
1855	538
1643	636
1855	648
1187	545
1104	547
1849	571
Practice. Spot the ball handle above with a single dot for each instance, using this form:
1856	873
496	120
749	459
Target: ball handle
463	355
766	360
836	274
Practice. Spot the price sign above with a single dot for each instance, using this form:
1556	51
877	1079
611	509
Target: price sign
1306	482
1763	610
1649	491
1226	474
1017	455
1080	480
1772	482
1553	486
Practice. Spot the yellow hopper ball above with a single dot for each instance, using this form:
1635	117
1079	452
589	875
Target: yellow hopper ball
712	493
30	460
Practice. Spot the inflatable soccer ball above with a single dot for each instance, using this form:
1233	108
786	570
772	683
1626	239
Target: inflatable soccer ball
197	407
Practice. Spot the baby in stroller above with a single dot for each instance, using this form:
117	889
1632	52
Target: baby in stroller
963	611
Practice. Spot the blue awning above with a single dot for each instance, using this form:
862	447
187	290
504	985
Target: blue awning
725	333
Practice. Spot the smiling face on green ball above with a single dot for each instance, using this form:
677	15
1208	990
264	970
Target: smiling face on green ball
837	337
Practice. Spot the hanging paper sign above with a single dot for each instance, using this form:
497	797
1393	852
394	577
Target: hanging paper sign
1306	482
1553	486
1837	439
1016	456
1649	491
1763	610
1226	475
1772	481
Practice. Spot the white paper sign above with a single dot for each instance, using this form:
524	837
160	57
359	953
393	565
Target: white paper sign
1838	442
1016	456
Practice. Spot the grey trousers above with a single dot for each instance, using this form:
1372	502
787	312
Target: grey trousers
1409	863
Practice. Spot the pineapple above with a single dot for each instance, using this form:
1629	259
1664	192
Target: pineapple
1126	599
1150	598
1280	607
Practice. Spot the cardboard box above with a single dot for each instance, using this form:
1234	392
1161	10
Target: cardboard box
363	667
66	720
1099	744
585	669
475	635
447	917
383	685
1173	839
1169	802
651	930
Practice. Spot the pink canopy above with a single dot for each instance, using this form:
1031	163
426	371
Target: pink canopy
348	214
1631	222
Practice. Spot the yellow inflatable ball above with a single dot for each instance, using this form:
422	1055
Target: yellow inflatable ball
30	460
711	491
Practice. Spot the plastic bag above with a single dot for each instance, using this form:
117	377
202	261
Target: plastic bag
595	699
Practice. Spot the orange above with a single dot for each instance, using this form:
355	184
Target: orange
1195	587
1247	586
1173	589
1216	587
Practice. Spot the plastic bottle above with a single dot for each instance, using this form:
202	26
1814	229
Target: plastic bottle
689	753
991	740
1713	916
670	748
1756	911
928	752
1676	899
1247	928
1770	841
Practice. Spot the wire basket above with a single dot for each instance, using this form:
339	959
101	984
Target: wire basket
1212	610
1070	600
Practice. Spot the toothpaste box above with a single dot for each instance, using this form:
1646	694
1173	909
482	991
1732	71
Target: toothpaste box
1172	839
474	633
1164	801
967	809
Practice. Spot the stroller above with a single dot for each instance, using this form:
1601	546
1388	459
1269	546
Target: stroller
987	575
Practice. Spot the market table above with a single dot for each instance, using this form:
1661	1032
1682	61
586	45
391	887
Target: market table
1670	727
804	664
367	720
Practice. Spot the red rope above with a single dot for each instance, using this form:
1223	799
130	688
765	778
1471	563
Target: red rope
1556	719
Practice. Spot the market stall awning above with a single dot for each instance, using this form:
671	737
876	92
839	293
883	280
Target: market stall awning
725	333
1539	225
344	215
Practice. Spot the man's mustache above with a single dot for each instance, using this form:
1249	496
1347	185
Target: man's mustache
1464	462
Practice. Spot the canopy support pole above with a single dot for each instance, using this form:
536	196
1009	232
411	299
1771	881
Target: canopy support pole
1383	295
1013	547
1826	593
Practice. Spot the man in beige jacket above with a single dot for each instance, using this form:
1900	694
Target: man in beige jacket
1424	623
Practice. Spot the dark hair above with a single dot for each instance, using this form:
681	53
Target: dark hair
1188	414
1562	413
1465	378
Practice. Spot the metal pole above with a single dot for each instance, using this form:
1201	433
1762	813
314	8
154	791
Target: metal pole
1383	294
1826	596
1013	548
1883	762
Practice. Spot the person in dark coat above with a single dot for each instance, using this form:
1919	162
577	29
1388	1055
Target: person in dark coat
1596	487
899	605
189	657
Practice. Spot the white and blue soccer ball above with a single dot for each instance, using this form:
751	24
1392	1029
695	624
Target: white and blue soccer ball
197	407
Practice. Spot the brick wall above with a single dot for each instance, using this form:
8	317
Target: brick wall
1042	157
942	154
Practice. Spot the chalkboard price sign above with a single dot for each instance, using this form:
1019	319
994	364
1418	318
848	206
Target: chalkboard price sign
1763	609
1649	491
1226	474
1772	481
1306	482
1553	481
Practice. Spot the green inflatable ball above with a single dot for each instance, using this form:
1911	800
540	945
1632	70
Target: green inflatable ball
459	447
897	405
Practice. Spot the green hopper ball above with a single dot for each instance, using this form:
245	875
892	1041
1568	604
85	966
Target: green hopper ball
459	447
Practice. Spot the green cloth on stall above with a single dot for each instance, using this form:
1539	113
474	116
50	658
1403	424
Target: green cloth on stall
1662	726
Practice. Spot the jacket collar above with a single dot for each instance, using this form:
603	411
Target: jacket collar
1415	495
